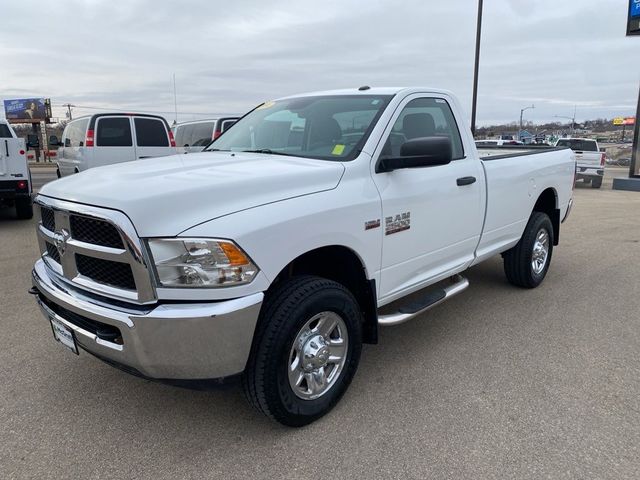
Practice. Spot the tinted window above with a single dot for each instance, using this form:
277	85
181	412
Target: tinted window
151	133
4	131
227	124
424	117
579	145
201	134
114	132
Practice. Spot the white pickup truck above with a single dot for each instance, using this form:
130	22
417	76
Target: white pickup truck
590	160
15	179
268	255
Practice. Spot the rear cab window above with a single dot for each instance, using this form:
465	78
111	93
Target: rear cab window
151	132
578	145
114	132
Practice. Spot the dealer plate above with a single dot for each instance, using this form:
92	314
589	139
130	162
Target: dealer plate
64	334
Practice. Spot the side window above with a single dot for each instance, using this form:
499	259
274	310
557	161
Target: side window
114	132
150	132
4	131
424	117
202	134
226	125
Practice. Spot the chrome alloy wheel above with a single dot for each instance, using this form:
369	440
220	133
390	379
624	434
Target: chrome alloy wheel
540	253
318	355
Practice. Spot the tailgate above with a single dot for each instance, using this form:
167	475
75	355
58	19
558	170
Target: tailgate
588	159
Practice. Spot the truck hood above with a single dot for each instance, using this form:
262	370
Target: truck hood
167	195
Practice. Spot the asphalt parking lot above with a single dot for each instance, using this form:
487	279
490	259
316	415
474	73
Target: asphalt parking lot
497	383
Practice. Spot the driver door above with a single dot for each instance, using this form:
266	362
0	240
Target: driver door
431	223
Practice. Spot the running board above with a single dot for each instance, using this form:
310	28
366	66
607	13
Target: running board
428	301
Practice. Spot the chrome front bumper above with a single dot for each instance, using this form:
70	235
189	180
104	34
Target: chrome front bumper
178	341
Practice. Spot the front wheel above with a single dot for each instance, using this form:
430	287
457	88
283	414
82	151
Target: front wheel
596	182
306	350
526	264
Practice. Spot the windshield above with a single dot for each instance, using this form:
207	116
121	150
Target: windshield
578	145
323	127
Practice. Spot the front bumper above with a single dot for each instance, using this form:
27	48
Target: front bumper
177	341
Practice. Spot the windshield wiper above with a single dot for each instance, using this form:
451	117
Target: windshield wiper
268	151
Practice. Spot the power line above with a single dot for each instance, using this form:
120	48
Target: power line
86	107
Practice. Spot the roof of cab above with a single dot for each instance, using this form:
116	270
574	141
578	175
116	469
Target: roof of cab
371	91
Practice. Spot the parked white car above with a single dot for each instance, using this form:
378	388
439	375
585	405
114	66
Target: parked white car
268	255
194	136
15	178
589	159
108	138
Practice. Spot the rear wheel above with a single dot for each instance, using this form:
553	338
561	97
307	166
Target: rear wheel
306	350
526	264
596	182
24	208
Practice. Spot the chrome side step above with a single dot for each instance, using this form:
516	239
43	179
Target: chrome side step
430	300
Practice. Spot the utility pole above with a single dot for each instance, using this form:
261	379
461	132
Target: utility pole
175	100
68	105
521	112
475	69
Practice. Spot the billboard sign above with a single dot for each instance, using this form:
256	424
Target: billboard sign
633	21
27	110
618	121
630	121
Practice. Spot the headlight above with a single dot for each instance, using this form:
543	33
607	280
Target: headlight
200	262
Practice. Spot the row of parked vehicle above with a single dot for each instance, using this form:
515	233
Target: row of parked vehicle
109	138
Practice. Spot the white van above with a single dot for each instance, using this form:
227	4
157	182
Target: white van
107	138
194	136
15	179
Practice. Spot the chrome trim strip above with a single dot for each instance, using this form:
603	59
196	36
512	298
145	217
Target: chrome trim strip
569	207
133	254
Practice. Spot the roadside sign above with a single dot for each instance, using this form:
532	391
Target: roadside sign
633	21
618	121
630	121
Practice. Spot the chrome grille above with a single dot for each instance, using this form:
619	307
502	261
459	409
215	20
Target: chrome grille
48	221
52	251
116	274
95	249
97	232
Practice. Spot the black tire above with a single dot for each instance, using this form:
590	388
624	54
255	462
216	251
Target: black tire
596	182
24	208
586	181
58	173
518	260
285	312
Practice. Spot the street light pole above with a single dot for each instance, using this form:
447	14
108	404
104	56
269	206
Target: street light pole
521	112
475	69
573	120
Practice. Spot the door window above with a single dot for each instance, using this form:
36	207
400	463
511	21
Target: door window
150	132
227	124
114	132
202	134
4	131
424	117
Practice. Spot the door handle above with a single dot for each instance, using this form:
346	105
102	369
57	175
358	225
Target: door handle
465	181
6	146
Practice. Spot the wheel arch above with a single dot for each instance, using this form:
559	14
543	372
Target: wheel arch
547	202
343	265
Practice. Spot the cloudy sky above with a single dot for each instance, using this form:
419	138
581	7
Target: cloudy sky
228	56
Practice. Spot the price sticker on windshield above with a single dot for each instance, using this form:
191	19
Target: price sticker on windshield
337	150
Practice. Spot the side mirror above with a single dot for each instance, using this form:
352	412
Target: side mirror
419	152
